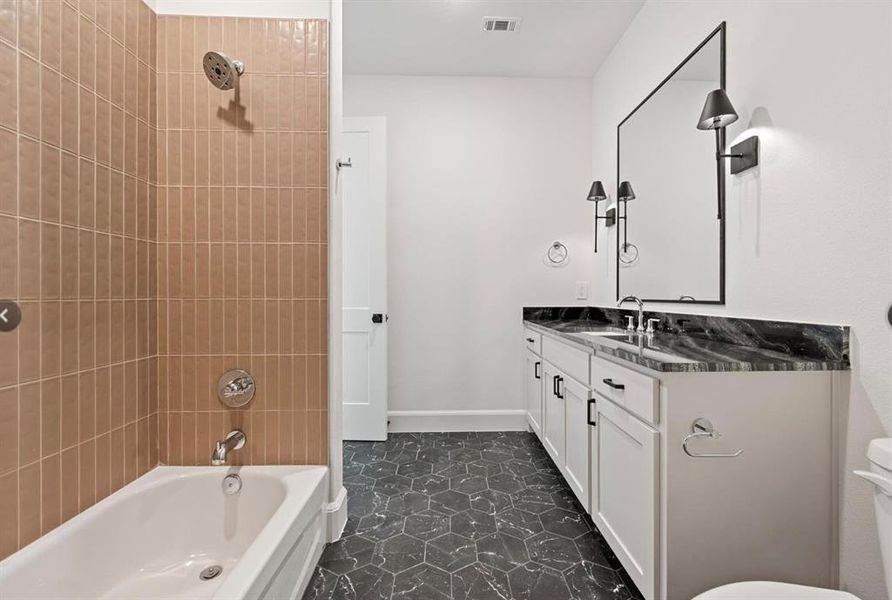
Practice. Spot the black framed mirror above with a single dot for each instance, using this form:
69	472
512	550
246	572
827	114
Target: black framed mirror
670	243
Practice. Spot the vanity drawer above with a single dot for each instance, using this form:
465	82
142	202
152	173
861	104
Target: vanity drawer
570	360
533	340
635	392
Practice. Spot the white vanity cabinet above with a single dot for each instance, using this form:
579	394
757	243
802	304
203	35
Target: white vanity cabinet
625	465
554	430
577	449
683	521
533	391
631	390
533	379
566	430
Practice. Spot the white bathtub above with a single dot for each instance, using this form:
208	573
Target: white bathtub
152	538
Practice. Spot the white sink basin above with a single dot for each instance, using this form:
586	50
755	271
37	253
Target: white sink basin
604	333
635	345
664	357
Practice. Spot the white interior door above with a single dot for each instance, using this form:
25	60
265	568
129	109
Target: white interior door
363	195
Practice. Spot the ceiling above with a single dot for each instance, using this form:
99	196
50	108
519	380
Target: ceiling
557	38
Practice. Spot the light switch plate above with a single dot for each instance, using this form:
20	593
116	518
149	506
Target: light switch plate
582	290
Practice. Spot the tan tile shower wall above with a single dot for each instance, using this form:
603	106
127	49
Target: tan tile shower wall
78	405
242	226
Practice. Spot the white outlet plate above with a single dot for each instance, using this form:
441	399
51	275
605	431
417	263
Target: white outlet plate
582	290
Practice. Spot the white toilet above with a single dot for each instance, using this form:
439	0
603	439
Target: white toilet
879	454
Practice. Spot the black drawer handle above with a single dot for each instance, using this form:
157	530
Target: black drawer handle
591	403
536	370
617	386
530	340
559	394
554	384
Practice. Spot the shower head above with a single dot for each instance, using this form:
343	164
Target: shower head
221	70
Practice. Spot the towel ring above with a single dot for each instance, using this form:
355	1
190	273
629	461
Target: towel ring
628	253
557	254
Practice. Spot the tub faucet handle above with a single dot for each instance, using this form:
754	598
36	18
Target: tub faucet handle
238	386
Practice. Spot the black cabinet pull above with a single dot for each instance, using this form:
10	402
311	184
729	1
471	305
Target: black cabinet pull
530	340
536	370
559	394
554	384
591	403
616	386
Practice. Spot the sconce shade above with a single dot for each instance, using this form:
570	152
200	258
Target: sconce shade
625	192
717	112
597	192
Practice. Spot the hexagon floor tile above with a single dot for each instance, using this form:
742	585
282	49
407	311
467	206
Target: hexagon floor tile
464	516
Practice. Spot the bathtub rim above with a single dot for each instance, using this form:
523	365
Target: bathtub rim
255	569
293	513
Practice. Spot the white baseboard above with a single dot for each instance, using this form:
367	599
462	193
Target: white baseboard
456	420
335	514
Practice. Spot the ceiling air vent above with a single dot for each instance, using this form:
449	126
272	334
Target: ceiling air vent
501	23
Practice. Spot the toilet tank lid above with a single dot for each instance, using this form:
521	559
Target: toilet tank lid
879	452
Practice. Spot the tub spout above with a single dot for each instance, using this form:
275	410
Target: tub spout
234	440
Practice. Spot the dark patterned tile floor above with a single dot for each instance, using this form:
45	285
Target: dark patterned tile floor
464	516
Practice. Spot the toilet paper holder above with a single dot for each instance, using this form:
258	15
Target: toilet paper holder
703	428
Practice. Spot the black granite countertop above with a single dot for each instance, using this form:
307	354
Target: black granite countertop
682	352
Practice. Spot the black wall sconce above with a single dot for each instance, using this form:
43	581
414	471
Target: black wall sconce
596	194
624	194
718	113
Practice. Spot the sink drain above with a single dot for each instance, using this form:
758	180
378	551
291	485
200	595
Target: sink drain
210	572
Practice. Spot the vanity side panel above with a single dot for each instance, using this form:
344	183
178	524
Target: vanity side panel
766	514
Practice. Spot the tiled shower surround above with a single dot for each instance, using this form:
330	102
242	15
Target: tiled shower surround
140	213
78	410
242	246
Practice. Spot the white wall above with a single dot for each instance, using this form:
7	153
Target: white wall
809	232
282	9
483	174
337	494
